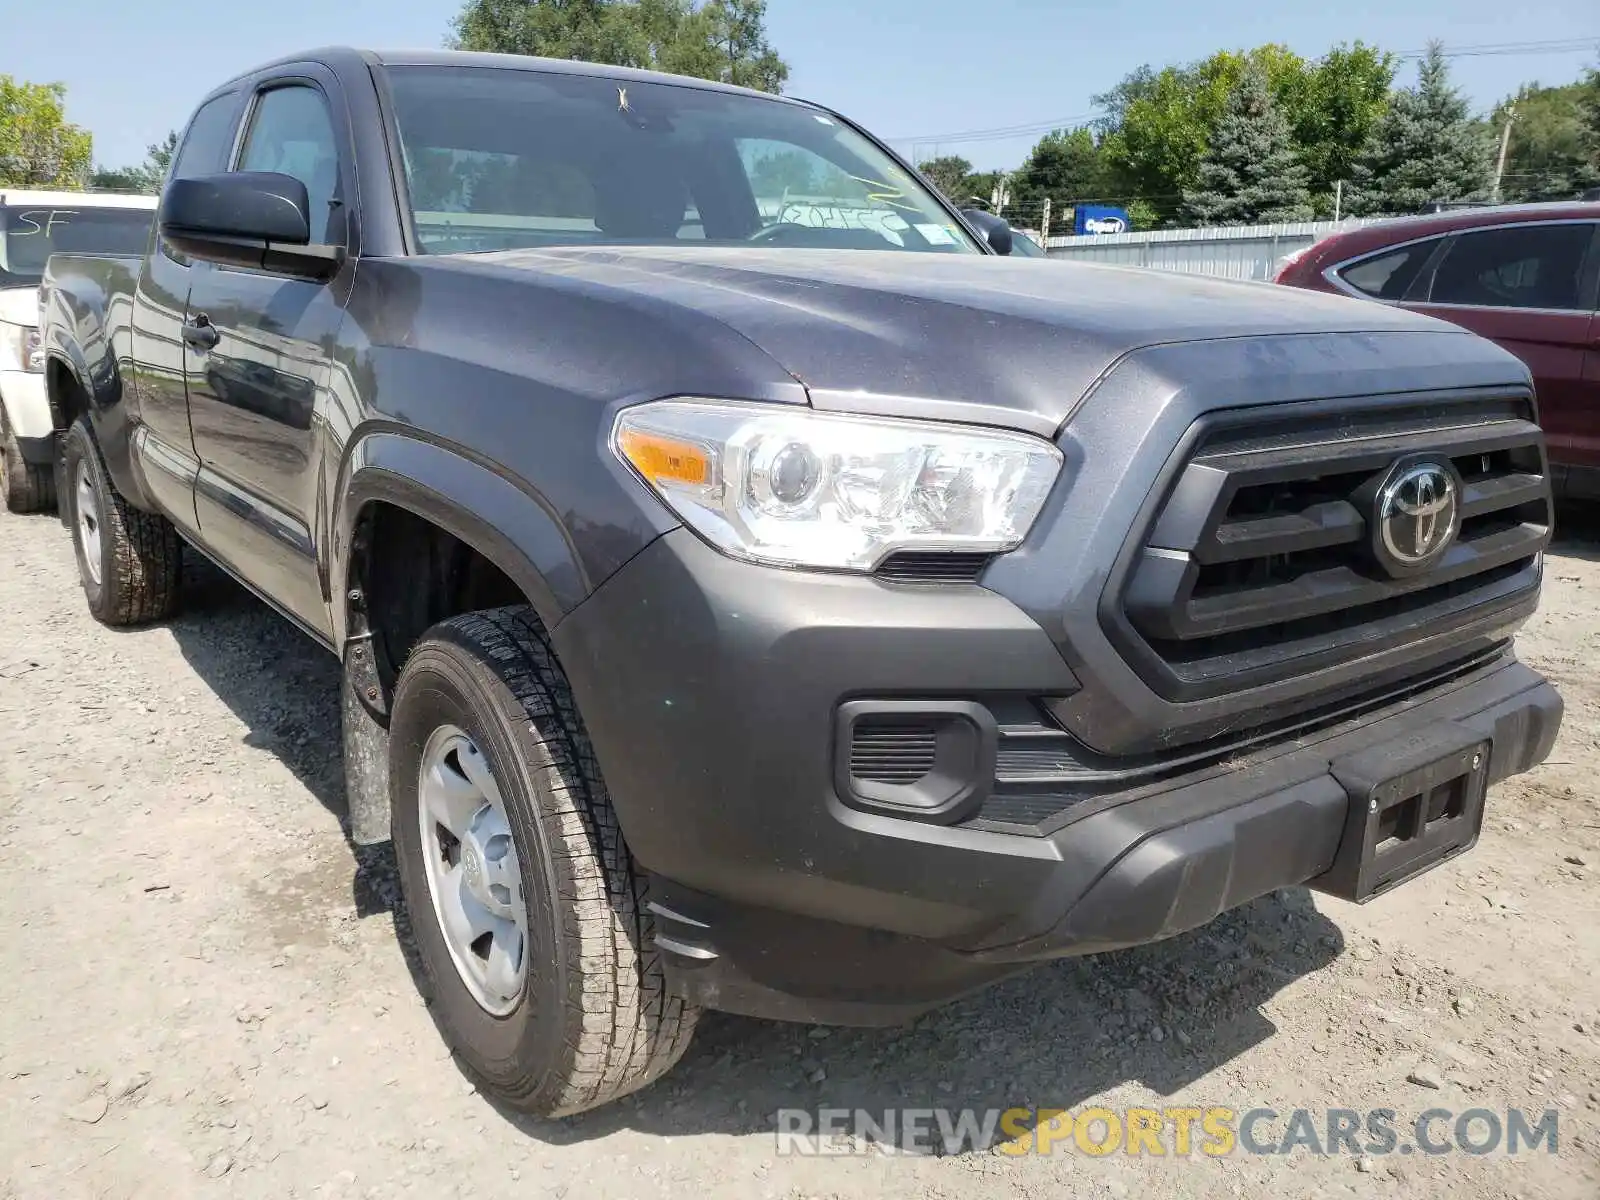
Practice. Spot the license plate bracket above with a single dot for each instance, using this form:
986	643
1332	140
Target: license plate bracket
1414	803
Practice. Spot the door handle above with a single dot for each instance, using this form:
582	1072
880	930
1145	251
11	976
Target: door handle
201	333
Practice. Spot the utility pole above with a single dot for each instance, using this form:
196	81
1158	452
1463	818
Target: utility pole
1505	144
1002	193
1044	225
1338	197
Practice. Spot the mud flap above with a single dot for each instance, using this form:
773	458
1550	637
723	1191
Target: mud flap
365	723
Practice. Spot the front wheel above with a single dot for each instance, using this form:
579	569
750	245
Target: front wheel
130	561
529	917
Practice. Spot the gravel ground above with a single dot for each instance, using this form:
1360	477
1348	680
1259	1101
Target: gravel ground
202	990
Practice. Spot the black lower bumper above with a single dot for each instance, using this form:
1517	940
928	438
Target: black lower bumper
710	690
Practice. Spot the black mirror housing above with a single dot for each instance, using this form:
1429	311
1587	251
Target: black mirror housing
255	219
996	230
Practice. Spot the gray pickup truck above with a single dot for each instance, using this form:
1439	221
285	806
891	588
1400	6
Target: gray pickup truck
757	591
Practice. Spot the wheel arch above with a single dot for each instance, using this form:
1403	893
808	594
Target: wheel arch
66	390
481	508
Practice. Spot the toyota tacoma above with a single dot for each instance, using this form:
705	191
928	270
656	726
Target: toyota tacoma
757	591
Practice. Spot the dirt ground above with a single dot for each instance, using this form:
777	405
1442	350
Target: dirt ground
202	990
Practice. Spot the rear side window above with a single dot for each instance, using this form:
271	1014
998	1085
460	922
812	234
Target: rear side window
205	149
210	137
1387	275
1526	266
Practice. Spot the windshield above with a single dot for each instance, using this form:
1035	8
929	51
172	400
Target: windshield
501	159
30	234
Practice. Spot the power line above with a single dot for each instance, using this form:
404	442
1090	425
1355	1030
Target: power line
1511	49
1486	49
1005	131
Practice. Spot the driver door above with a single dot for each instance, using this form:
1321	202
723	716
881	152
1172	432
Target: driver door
257	358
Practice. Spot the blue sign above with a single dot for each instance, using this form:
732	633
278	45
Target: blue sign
1099	218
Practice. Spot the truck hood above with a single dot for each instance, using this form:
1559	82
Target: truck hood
1028	337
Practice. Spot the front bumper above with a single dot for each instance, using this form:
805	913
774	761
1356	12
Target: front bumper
710	689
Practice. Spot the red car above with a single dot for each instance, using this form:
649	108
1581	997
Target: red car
1525	276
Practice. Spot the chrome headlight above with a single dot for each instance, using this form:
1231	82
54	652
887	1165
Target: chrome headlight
781	484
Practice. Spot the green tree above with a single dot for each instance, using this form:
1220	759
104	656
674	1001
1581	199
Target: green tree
1064	167
737	33
147	177
1589	107
1153	134
1344	96
949	173
1554	150
725	40
1158	124
582	29
39	147
1425	149
979	186
1249	173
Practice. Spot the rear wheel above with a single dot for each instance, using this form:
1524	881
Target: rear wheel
27	488
529	916
130	562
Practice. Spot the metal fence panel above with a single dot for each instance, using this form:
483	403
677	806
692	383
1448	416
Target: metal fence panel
1227	252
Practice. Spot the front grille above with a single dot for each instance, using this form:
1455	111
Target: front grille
1259	563
933	566
893	750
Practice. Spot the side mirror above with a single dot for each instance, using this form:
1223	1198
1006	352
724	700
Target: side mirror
996	231
246	219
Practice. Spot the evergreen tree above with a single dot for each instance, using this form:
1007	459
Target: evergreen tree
1425	149
1250	173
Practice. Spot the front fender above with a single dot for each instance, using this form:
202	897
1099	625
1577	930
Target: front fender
79	349
447	486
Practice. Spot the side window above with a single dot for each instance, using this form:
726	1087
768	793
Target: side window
1386	276
1527	266
292	134
206	145
204	150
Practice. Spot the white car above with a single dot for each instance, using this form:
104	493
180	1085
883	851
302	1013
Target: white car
33	226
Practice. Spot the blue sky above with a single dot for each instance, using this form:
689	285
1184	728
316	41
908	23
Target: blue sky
905	68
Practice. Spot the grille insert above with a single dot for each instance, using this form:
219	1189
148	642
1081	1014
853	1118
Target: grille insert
893	750
933	566
1259	563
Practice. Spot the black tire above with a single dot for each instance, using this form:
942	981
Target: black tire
27	488
140	555
595	1020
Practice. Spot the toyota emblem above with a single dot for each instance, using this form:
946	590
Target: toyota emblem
1418	515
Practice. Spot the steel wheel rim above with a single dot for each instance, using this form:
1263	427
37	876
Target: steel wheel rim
474	875
88	508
